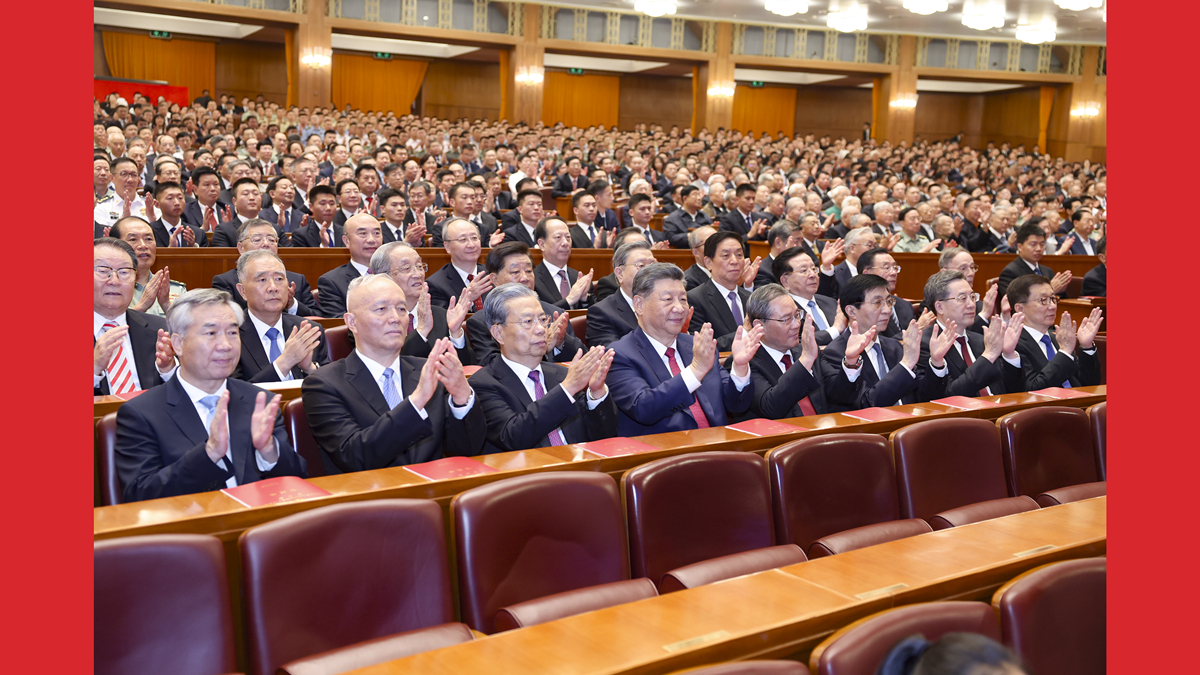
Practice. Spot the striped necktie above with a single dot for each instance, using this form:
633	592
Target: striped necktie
120	372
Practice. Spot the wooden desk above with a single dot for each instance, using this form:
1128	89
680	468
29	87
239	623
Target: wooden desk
778	613
1081	307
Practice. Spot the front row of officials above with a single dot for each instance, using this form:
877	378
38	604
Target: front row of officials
402	397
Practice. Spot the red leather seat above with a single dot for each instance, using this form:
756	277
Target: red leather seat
859	648
296	423
1098	416
945	465
162	606
730	566
749	668
1054	617
380	650
687	509
1072	493
570	603
106	441
338	339
1045	449
579	325
838	483
340	575
533	536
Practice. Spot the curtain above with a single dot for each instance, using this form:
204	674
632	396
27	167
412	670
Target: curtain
368	83
580	100
182	63
289	55
769	109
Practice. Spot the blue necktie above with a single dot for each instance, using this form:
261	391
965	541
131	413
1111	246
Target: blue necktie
273	336
391	393
210	410
1049	345
818	320
883	366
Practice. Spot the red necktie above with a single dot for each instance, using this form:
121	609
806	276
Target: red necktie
478	301
412	324
120	374
697	411
806	405
966	354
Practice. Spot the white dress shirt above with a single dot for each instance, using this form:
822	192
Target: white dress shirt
803	302
522	374
195	394
777	357
689	378
377	369
262	328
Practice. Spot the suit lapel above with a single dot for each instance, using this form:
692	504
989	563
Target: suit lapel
184	414
252	347
239	428
719	309
143	342
506	376
650	355
360	378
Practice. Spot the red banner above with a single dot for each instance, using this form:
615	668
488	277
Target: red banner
151	91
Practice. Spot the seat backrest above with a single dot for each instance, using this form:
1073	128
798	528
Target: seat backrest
1098	416
379	650
829	484
1074	287
106	441
1054	618
579	325
162	606
682	510
531	536
338	575
1046	448
296	423
338	338
947	463
859	648
749	668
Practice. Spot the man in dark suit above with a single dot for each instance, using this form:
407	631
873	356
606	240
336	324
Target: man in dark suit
282	212
781	389
813	291
427	322
721	302
349	199
993	238
742	219
520	393
686	218
779	237
606	217
131	350
641	212
1065	357
663	379
202	431
529	212
207	210
857	241
1031	246
362	237
864	369
320	232
586	232
608	285
974	360
489	226
510	263
247	203
276	346
393	207
1095	282
554	282
613	317
463	270
879	261
256	234
462	205
1080	236
376	408
170	230
697	274
571	181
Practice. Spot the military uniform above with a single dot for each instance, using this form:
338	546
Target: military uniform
111	209
178	288
109	194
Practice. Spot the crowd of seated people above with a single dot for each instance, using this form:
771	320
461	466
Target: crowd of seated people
666	349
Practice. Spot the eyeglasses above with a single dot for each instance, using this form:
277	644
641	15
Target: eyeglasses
789	319
880	302
807	270
1048	300
963	297
527	324
123	273
408	269
260	238
887	268
637	267
466	239
128	174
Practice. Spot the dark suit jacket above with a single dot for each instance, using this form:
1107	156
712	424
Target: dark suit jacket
161	444
580	237
255	365
517	422
143	338
1040	372
547	288
652	401
842	274
868	390
332	288
295	217
986	242
310	236
695	276
227	281
226	234
734	221
608	220
445	284
1000	377
353	425
712	306
193	212
162	233
676	226
777	394
1019	268
609	320
435	229
607	286
1095	282
415	345
814	254
486	349
564	186
828	307
517	232
766	273
904	312
510	219
1076	246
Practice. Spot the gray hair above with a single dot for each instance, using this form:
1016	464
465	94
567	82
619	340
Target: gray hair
851	201
759	304
248	257
643	283
622	253
358	282
637	183
179	316
837	190
495	308
244	228
949	255
858	218
421	185
381	260
857	233
694	236
938	286
237	162
792	202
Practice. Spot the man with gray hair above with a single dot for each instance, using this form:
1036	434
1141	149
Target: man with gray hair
202	430
698	274
427	322
256	234
779	237
276	346
376	408
859	240
131	349
788	340
532	403
613	317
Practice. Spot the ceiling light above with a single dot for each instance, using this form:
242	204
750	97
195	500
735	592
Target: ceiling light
655	7
787	7
1078	5
926	6
1037	33
1104	12
847	17
983	14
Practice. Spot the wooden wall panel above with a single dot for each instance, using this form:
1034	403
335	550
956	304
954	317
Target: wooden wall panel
1011	116
836	111
942	115
248	68
99	61
655	99
454	89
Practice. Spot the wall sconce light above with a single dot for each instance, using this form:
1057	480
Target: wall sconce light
317	57
720	91
1086	109
905	101
530	76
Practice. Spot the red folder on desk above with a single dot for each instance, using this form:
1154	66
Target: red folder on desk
761	427
613	447
275	491
877	414
449	467
1058	392
966	403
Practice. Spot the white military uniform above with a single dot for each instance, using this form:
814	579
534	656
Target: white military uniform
111	209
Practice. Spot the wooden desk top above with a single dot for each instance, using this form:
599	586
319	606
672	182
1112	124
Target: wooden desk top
778	612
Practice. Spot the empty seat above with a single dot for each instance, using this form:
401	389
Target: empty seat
1098	416
380	650
162	606
749	668
340	575
947	464
730	566
106	441
296	423
859	648
560	605
687	509
832	484
1072	493
1053	617
338	342
1045	449
533	536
